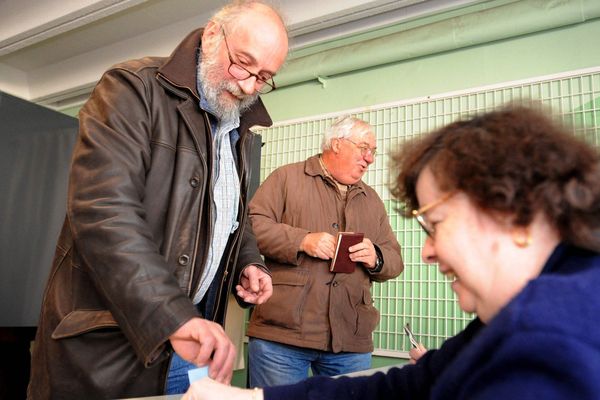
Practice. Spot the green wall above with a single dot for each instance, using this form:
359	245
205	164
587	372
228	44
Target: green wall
465	48
557	50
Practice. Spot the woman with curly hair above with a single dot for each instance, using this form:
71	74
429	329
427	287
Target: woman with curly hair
510	203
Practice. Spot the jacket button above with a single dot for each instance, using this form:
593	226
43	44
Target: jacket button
194	182
335	283
183	259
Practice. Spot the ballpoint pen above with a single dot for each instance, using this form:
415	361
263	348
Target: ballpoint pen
411	336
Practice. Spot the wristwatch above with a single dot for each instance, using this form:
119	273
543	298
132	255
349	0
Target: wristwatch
378	265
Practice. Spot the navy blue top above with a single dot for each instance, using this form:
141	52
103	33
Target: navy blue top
545	344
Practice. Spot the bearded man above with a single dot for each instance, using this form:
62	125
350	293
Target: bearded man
156	233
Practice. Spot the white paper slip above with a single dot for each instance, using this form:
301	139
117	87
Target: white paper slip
197	373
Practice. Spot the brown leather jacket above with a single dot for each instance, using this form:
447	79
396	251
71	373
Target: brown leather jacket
134	241
312	307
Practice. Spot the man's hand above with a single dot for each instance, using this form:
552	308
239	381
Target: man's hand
364	252
255	285
319	244
204	342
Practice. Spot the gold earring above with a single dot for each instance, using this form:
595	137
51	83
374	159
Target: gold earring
522	237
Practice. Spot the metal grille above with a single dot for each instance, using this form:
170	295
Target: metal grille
421	295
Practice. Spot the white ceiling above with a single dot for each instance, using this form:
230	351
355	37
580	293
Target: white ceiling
53	51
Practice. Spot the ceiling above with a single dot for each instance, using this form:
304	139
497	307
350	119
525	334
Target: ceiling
53	51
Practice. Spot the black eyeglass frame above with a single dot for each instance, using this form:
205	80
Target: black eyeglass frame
265	85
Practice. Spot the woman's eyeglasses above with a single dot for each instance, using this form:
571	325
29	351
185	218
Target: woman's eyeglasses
421	218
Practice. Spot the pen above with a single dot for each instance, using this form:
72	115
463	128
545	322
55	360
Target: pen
411	336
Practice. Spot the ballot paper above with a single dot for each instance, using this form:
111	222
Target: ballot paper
197	373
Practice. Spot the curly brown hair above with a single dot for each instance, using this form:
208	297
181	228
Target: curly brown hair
515	161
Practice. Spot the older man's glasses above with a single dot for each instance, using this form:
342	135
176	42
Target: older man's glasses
363	148
422	218
264	82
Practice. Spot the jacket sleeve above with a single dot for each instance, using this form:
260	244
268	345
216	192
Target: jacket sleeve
388	245
106	213
407	382
276	239
551	365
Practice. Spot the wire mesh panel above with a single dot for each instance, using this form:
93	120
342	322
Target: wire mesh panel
422	296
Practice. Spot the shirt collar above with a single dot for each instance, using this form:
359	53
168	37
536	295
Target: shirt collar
313	167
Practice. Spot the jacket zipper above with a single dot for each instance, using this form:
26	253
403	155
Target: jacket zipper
201	209
239	230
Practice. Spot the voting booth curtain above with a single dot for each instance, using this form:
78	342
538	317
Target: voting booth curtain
35	152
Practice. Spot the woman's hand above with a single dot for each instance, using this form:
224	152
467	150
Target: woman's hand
416	352
208	389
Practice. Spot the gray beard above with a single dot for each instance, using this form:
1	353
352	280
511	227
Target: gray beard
213	88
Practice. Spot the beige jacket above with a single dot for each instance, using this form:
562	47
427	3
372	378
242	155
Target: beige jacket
312	307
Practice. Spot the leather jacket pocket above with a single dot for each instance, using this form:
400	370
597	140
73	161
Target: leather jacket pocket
284	308
83	321
367	315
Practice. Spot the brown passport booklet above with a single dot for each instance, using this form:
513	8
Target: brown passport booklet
341	260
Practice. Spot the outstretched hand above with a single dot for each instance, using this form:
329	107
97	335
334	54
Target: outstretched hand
207	389
255	285
203	342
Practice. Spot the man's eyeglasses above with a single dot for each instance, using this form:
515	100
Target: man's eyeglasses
264	82
364	148
422	219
